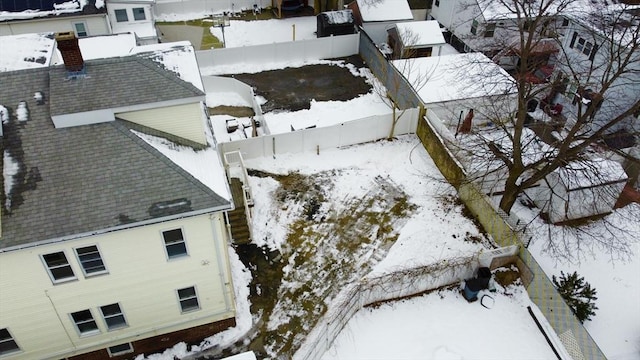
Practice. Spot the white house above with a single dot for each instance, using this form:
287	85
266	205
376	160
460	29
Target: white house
135	16
375	17
113	239
84	18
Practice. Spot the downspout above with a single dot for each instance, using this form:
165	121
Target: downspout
223	268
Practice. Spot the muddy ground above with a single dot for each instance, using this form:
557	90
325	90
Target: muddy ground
292	89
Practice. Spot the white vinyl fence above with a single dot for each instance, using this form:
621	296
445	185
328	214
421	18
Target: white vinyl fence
290	51
318	139
186	7
382	288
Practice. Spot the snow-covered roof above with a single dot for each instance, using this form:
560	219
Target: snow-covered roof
421	33
456	77
25	51
25	10
100	47
338	17
384	10
144	29
595	172
179	57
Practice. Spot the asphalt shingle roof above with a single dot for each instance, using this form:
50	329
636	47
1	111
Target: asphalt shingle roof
115	82
86	178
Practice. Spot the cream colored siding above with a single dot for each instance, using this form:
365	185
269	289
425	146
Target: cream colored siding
140	278
185	121
96	25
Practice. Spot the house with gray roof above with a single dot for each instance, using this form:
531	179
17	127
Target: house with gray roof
111	244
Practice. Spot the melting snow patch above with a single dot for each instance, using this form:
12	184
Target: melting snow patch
10	169
22	112
39	97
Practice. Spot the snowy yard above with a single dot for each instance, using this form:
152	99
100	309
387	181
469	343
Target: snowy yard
430	228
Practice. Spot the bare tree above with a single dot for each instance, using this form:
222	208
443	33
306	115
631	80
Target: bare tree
561	118
392	83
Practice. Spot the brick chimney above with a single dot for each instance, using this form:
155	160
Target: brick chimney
70	50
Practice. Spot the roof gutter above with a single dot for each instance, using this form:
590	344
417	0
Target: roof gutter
228	206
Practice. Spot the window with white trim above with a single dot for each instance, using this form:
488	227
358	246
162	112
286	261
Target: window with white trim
584	46
81	29
7	344
120	349
188	299
174	243
85	323
474	27
58	267
113	316
121	15
489	29
90	260
138	14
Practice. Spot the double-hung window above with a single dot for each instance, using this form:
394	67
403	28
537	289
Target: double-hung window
489	29
584	46
174	243
188	299
7	344
90	260
113	316
58	267
138	14
85	323
474	27
81	29
121	15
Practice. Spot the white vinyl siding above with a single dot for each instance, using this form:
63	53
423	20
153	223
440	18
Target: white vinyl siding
95	25
185	121
140	280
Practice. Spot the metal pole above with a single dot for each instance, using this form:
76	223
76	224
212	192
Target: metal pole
224	42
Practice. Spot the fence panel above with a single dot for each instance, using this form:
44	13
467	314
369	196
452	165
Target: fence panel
290	51
311	140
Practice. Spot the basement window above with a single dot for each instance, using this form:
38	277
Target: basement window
120	349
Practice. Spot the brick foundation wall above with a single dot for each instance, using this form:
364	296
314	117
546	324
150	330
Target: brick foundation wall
158	343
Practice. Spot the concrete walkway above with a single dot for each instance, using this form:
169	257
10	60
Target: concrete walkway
193	34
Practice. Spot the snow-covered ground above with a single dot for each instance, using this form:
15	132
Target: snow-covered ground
616	331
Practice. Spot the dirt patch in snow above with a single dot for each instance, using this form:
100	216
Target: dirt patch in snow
293	89
326	248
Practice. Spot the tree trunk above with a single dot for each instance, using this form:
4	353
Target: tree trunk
511	191
393	122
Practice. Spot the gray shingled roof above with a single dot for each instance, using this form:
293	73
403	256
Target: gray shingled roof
86	178
115	82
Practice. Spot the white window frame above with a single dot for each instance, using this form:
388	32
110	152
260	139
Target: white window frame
144	13
474	27
10	339
49	268
96	331
166	246
84	270
75	28
120	314
195	296
121	352
584	46
115	14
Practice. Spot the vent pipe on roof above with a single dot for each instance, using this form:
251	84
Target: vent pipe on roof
71	56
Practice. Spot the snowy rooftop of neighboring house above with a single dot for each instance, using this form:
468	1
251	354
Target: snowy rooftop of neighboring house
25	10
455	77
145	29
595	172
421	33
26	51
384	10
100	47
338	17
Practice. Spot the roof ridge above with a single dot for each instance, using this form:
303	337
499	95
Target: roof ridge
124	129
168	74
